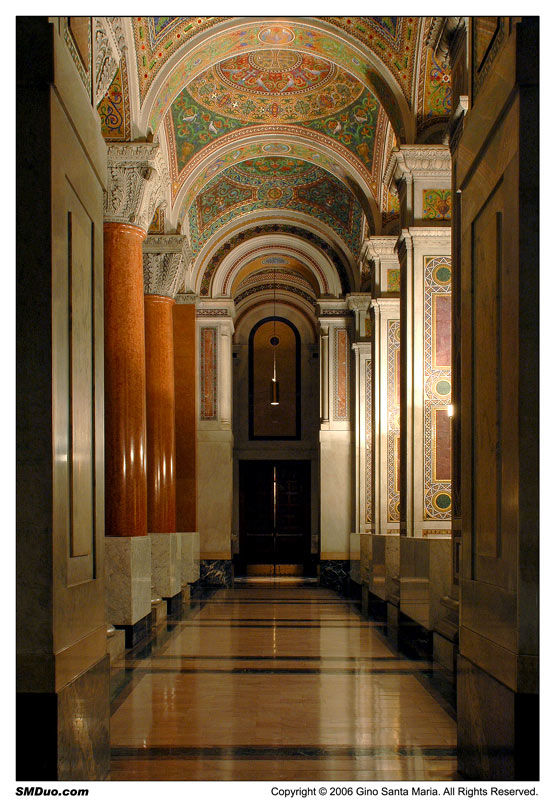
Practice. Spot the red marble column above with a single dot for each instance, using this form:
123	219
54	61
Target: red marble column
125	396
160	394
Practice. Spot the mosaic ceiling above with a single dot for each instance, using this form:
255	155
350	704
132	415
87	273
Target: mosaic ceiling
276	118
276	183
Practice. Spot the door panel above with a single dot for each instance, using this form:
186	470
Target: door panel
274	513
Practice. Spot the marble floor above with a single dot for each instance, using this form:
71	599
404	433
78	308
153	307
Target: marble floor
276	680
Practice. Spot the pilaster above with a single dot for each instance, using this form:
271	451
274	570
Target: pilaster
336	435
215	438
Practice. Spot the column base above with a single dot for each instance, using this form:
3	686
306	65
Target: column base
116	645
159	613
137	632
174	604
128	575
190	557
335	575
166	564
60	746
498	729
216	572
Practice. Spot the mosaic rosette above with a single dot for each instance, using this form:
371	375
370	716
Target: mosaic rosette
393	419
437	387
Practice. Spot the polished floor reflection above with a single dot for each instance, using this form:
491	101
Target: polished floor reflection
277	680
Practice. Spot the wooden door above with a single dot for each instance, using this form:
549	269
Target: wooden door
274	515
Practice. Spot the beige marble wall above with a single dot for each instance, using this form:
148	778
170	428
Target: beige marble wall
215	492
336	487
354	557
425	578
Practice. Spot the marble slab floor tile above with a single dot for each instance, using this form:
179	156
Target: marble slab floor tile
276	682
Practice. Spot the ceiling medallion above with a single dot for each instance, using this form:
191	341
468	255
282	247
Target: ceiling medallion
276	35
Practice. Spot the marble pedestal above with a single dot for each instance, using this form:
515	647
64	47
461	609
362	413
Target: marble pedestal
128	576
190	557
166	568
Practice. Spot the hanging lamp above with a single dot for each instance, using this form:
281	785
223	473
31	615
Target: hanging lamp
274	383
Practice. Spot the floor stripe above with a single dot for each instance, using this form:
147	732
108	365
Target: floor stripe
283	671
279	752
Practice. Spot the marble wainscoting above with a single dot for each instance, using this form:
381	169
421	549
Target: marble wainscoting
355	589
498	729
166	568
216	572
72	746
190	557
334	574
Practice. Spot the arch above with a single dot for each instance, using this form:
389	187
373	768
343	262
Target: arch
310	36
210	259
252	142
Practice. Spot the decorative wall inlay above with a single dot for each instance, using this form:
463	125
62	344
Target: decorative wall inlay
436	203
208	373
437	387
113	108
393	418
137	180
369	440
341	374
393	280
212	312
336	312
164	263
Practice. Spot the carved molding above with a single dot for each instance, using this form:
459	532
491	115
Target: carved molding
108	44
164	263
440	36
417	161
379	246
186	299
359	302
137	183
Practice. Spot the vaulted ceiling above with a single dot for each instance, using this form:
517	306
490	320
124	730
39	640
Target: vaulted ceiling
276	133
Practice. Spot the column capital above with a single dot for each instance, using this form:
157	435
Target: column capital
137	183
409	161
376	247
327	309
165	259
413	237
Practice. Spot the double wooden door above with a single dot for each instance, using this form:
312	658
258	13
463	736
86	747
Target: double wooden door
274	516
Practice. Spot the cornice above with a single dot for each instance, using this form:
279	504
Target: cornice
379	246
186	298
409	161
359	302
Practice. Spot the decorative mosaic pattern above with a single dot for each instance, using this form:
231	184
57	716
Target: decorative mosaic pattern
314	192
158	221
113	109
286	276
369	441
251	37
435	93
202	115
393	280
260	230
393	418
341	374
208	373
437	387
390	207
269	287
248	150
436	203
290	273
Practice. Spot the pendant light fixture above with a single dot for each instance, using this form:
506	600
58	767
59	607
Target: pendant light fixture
274	383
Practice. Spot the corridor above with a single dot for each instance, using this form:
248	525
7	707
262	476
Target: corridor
276	679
